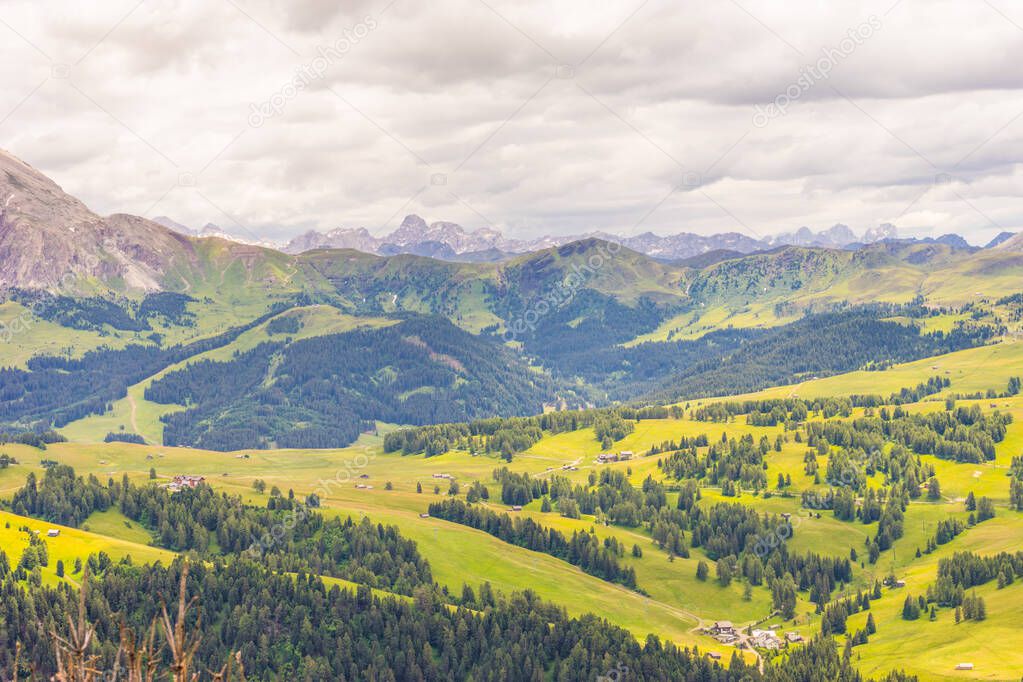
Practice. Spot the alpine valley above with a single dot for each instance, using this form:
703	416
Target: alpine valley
437	453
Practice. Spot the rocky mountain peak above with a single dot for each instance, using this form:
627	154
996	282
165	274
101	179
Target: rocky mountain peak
51	240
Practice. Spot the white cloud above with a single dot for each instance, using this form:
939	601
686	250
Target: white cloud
562	116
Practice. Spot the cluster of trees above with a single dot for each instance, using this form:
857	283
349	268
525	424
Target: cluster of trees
726	461
1016	484
96	313
835	615
285	324
584	550
33	438
6	460
62	497
683	443
611	497
964	570
611	427
287	627
124	437
324	391
509	435
935	384
286	537
965	434
520	488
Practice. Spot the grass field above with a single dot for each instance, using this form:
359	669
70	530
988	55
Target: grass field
71	544
676	603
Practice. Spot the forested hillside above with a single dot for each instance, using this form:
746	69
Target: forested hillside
324	391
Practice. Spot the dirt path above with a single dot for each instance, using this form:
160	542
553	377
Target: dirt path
134	408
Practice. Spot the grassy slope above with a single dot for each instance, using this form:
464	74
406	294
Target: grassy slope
135	414
71	544
975	369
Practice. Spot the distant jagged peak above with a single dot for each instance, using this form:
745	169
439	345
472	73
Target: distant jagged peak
880	233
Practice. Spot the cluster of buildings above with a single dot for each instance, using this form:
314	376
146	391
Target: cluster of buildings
447	476
726	633
606	457
182	482
51	533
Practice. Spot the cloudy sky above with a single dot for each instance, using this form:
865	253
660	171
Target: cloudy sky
274	117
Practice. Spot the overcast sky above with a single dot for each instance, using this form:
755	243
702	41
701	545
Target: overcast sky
549	117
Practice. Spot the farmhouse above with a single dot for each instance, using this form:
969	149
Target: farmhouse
625	454
424	515
722	627
964	666
724	632
793	637
605	457
517	507
52	533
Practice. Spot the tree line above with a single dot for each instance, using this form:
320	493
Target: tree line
585	550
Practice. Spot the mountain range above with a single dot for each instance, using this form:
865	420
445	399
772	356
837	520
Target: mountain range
51	240
449	241
452	242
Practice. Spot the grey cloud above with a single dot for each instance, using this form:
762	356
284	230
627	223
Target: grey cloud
450	81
